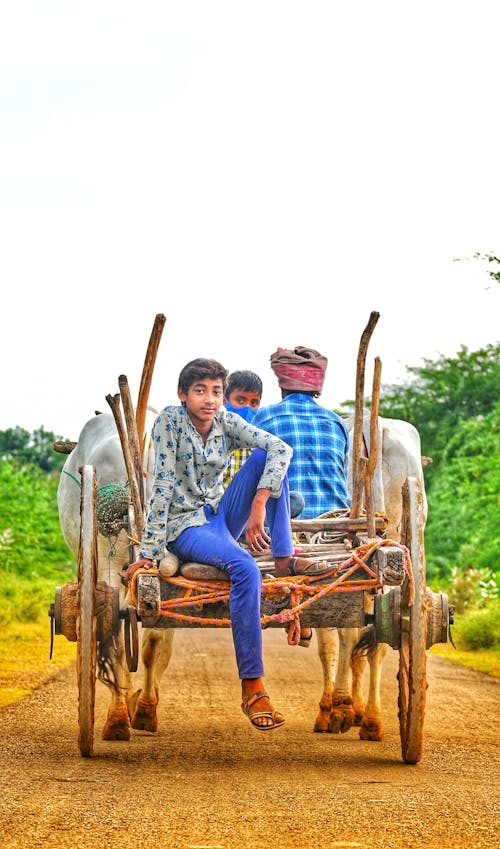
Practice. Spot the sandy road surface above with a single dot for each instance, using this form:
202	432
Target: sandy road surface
206	779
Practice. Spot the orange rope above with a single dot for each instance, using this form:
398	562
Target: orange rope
302	589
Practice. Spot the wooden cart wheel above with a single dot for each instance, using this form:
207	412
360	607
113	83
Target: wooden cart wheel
412	654
86	623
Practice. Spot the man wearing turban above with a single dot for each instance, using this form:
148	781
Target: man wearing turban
318	436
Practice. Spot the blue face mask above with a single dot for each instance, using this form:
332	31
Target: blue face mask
245	412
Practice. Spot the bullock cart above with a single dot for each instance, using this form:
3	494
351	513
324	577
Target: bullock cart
370	581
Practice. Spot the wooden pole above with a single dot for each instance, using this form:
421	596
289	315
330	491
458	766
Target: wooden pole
133	437
147	376
357	487
372	459
114	403
358	482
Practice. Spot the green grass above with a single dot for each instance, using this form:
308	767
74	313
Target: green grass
486	660
25	661
476	634
25	626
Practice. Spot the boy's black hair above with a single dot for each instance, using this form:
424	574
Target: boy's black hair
199	369
247	380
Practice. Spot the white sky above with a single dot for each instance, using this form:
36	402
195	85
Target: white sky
265	174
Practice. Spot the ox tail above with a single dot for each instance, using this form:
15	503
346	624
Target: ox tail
367	643
106	651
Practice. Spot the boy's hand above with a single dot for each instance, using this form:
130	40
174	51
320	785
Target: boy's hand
257	538
143	563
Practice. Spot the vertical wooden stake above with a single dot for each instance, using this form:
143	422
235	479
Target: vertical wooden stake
133	438
114	403
372	459
357	488
147	376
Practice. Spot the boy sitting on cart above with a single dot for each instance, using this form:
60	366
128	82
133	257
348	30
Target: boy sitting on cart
191	515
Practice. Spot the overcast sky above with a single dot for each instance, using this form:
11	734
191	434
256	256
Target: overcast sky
265	174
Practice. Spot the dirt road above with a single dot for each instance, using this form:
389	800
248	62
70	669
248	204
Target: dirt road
207	780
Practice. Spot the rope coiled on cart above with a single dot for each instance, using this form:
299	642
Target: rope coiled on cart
299	591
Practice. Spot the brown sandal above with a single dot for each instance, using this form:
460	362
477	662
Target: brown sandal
252	716
315	568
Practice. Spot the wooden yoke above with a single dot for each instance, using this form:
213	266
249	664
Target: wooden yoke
147	376
359	463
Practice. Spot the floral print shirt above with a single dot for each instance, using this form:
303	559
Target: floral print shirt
189	475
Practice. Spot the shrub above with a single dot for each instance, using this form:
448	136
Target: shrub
480	629
470	588
31	541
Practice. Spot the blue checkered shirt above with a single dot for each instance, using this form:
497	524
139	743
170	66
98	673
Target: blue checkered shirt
320	442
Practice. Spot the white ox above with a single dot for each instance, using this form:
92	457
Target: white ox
342	703
99	445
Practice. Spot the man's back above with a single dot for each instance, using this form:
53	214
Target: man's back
320	443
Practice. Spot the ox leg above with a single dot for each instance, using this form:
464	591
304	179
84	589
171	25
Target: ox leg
358	666
156	653
117	725
371	726
342	712
328	653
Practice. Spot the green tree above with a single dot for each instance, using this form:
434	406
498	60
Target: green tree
493	272
33	449
464	500
31	541
33	555
442	393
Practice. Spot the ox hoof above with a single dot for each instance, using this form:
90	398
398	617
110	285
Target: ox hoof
341	719
371	732
144	717
117	727
322	721
358	717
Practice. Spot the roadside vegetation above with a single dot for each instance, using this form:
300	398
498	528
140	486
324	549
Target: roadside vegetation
455	405
454	402
34	559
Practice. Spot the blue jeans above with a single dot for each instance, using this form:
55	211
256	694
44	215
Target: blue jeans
216	543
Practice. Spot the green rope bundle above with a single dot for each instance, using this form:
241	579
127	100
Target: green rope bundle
113	501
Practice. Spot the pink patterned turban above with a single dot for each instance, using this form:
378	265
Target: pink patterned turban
300	370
